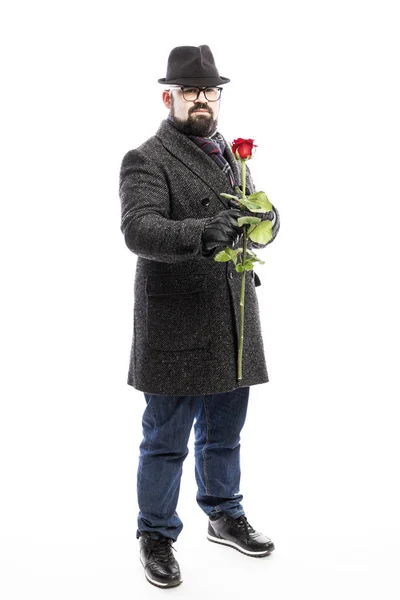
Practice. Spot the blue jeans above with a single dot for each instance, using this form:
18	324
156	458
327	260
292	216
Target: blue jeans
167	423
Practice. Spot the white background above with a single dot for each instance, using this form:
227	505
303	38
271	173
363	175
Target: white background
316	84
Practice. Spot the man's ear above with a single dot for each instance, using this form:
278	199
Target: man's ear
166	96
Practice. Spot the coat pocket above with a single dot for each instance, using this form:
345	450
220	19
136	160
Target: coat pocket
177	312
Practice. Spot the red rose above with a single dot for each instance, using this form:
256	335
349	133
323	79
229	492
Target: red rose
243	148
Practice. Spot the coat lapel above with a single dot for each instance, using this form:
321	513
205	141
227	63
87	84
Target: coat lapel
197	161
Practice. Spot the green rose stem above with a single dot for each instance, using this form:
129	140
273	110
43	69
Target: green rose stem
242	288
253	228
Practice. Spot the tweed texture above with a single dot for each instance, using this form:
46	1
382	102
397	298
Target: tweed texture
186	306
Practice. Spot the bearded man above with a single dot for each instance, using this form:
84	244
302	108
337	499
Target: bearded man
186	316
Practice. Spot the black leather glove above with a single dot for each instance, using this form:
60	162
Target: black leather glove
222	230
268	216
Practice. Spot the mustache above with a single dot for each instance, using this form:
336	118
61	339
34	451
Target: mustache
202	106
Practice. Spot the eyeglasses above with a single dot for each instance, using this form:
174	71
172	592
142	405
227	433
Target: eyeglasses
190	94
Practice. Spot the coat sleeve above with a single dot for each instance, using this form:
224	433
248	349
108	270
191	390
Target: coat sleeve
145	208
276	221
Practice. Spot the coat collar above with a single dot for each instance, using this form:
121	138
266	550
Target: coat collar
197	161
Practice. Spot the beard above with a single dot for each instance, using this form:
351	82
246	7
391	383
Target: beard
200	125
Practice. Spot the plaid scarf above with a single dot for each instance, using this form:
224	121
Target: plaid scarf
214	147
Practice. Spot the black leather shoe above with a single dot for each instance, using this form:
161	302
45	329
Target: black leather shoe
239	534
160	567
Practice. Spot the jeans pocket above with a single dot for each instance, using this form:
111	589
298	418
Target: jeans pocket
177	312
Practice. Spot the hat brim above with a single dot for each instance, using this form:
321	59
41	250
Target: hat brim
195	81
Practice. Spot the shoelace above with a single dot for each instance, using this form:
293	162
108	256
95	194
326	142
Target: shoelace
161	549
242	524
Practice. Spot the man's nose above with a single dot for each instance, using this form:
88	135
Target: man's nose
204	96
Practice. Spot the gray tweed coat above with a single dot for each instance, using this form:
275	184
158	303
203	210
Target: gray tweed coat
186	306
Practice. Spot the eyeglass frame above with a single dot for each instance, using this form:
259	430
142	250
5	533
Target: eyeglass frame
201	89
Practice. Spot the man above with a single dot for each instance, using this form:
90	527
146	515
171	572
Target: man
186	316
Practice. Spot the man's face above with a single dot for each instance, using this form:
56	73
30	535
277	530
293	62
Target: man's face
199	117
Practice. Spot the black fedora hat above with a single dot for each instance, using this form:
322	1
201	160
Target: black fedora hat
192	65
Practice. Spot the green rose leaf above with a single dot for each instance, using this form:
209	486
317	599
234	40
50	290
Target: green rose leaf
256	259
262	233
228	254
251	228
232	253
239	268
238	190
230	196
222	256
252	206
248	220
261	199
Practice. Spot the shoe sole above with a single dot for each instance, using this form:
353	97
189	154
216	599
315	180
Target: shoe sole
239	548
159	583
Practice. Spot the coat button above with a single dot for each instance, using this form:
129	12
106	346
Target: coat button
206	201
230	275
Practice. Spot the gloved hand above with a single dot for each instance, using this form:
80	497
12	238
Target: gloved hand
222	230
268	216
